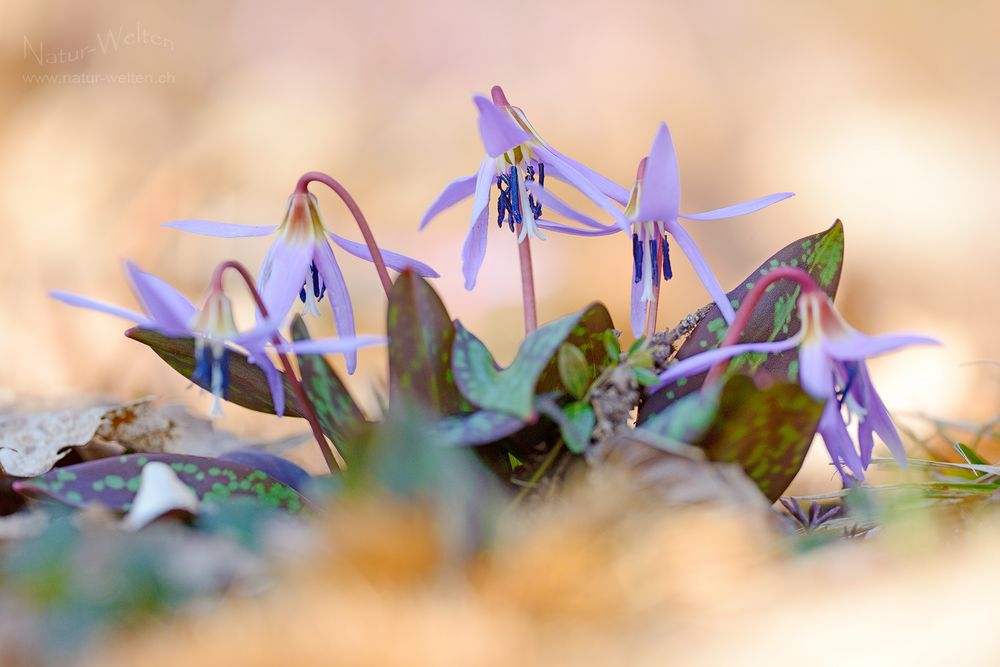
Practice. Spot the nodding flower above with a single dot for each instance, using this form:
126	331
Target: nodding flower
213	328
831	368
652	208
300	264
518	162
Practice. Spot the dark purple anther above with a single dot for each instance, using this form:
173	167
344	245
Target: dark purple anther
637	258
668	272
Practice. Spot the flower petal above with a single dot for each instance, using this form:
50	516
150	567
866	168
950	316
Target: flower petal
839	444
83	302
259	358
340	299
220	229
170	309
608	187
546	198
474	248
283	274
661	187
393	260
857	346
703	361
638	308
566	172
575	231
739	209
453	193
877	417
497	129
815	371
331	345
701	268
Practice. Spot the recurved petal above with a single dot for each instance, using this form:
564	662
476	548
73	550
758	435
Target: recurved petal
637	309
701	268
739	209
700	363
393	260
856	346
566	172
547	199
604	184
453	193
340	298
497	129
331	345
283	274
877	417
274	381
661	187
84	302
170	309
220	229
548	225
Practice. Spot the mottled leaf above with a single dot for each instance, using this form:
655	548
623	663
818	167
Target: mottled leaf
114	481
683	421
476	428
420	342
247	383
576	422
336	410
276	467
774	318
574	371
511	390
767	431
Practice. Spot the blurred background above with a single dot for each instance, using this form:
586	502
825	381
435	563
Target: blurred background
882	114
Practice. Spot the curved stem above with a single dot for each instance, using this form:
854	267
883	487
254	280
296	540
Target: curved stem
302	187
309	413
527	284
750	302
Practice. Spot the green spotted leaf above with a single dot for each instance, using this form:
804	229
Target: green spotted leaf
336	410
775	317
247	383
767	431
420	341
589	336
476	428
511	390
114	481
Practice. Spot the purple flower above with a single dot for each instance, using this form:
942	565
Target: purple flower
653	208
517	161
300	263
832	368
213	328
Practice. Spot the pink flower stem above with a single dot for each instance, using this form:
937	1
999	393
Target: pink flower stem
750	302
332	460
302	187
652	306
527	284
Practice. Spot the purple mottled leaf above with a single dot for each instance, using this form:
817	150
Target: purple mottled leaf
114	481
276	467
247	383
775	317
420	341
481	427
767	431
336	410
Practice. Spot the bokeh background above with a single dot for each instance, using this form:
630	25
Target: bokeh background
882	114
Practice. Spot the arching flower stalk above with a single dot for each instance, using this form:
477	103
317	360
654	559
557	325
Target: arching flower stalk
213	328
300	263
518	162
832	369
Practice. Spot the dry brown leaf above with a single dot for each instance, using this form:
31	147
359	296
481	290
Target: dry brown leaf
31	444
